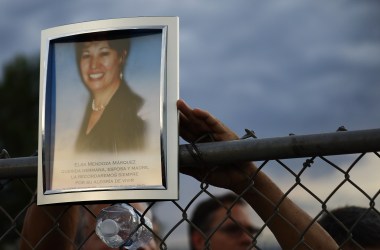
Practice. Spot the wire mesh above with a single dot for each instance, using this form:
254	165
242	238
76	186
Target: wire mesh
317	184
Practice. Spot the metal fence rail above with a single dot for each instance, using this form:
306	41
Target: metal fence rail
17	178
293	146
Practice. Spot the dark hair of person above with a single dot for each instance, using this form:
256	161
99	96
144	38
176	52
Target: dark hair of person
353	225
204	212
115	41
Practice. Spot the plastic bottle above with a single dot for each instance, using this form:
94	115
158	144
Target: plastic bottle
120	226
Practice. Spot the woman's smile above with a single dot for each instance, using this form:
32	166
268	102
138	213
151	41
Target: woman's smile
96	76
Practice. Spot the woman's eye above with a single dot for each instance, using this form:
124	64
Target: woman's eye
104	53
85	55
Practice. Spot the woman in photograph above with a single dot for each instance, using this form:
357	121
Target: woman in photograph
111	122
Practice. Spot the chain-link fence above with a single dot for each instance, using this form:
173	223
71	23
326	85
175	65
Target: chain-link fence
318	172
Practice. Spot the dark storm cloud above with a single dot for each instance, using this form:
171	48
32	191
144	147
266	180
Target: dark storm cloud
306	65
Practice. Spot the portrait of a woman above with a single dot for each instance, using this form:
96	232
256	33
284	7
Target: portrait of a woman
111	122
104	109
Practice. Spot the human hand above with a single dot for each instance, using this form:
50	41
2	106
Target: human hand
195	123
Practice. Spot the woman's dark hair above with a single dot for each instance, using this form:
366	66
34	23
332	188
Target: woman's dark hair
116	41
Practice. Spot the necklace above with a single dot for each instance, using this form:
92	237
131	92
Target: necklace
101	107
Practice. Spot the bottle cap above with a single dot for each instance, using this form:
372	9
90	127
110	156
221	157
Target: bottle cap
109	228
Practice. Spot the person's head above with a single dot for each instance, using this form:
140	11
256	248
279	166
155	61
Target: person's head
362	223
225	221
101	59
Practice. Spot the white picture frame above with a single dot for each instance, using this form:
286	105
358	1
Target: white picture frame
133	160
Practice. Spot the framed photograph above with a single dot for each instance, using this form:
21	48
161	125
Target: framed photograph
108	124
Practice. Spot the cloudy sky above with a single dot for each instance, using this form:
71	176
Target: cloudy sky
272	66
276	67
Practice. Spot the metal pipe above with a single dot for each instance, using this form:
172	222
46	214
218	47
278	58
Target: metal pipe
22	167
295	146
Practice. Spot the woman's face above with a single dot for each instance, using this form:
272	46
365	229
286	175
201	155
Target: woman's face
100	65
